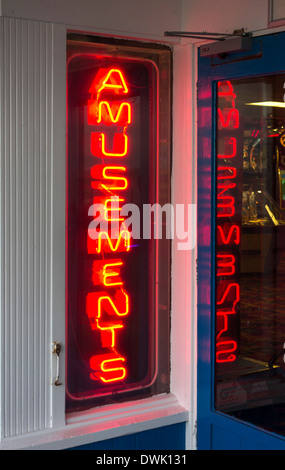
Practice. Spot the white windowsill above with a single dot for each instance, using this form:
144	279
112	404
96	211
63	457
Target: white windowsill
104	423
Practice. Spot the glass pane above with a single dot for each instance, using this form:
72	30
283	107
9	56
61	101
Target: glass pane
117	281
250	251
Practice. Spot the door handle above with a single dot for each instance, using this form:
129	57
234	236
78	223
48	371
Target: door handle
56	349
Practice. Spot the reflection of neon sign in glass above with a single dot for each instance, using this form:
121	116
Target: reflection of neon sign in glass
228	228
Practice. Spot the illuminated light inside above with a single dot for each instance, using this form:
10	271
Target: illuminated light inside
271	104
228	235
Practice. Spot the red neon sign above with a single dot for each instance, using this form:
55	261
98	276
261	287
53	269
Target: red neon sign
117	148
111	289
228	225
109	182
109	79
107	274
103	111
108	367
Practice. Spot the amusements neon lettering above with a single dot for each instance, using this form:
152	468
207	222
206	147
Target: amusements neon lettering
108	308
228	231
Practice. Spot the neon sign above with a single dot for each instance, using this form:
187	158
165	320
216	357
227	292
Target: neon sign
110	366
228	225
112	317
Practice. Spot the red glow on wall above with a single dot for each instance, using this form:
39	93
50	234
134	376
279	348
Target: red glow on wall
228	228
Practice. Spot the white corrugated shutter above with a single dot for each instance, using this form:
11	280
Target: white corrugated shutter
30	236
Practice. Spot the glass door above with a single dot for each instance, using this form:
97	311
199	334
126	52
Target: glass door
241	263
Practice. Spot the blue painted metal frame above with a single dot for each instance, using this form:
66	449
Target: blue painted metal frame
170	437
215	430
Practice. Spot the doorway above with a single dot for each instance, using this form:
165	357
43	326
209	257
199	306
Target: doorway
241	252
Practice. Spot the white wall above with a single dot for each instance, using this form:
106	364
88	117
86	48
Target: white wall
145	17
135	18
183	321
224	16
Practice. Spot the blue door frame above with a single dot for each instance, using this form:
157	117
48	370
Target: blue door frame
217	431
